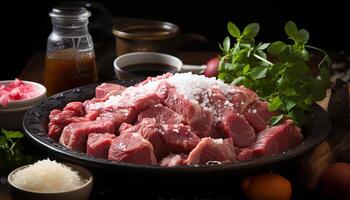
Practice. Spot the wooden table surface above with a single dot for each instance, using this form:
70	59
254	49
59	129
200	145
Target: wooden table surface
34	71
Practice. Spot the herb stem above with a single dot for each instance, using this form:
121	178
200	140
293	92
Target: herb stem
236	46
321	50
316	48
262	59
222	60
13	144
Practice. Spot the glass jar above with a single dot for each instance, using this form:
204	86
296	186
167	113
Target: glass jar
70	58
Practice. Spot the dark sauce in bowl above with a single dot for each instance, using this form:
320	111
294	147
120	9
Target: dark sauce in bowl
149	69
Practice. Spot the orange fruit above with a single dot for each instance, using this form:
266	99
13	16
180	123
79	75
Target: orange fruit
267	186
336	181
245	184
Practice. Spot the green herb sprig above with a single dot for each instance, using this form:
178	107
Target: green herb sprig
278	72
12	151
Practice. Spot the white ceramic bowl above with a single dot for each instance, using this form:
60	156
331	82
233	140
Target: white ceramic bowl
11	116
80	193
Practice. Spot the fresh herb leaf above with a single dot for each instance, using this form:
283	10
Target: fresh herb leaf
12	134
291	29
285	86
276	119
274	104
251	30
233	30
3	141
259	72
12	151
238	80
277	48
286	83
302	36
305	55
226	44
263	46
290	103
246	69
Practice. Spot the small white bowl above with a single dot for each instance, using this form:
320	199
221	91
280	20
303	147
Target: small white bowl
26	102
80	193
11	116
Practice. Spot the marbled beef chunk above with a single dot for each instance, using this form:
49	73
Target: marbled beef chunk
76	107
226	118
152	132
241	97
132	148
72	113
173	160
179	138
161	114
198	119
258	115
236	127
60	119
209	149
105	90
244	153
151	79
98	144
75	135
277	139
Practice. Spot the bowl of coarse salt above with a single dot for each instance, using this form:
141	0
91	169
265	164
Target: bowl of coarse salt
48	179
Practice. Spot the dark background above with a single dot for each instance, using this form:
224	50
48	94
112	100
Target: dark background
26	25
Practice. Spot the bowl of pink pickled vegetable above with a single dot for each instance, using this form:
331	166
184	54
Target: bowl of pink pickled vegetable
16	97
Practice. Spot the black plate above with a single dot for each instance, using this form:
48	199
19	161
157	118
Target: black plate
36	119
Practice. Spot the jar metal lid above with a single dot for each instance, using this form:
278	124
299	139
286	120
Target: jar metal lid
64	12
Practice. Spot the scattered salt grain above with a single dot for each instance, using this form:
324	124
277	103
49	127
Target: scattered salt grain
218	141
121	146
136	134
190	84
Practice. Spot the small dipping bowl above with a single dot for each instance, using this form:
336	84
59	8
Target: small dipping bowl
153	64
80	193
124	63
11	116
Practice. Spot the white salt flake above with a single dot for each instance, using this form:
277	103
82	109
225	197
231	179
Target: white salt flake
218	141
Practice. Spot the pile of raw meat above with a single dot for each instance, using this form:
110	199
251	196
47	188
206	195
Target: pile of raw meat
172	120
